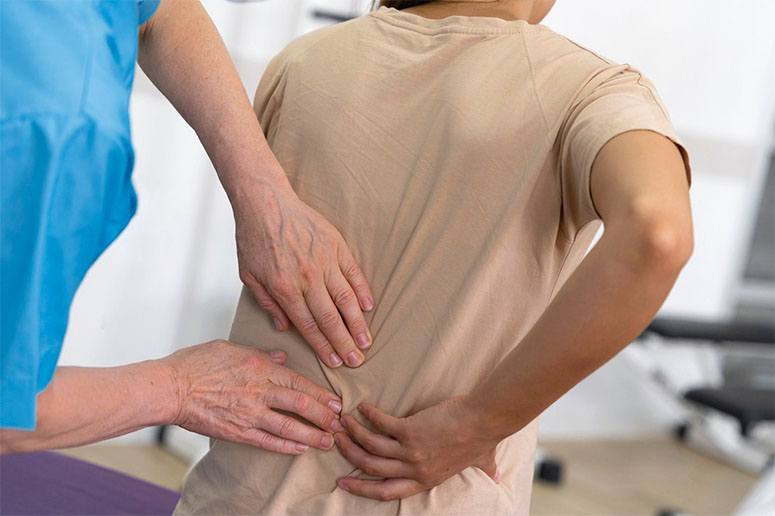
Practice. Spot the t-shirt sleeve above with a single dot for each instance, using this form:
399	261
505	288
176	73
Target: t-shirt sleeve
616	100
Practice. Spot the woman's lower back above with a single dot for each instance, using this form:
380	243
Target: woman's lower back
240	479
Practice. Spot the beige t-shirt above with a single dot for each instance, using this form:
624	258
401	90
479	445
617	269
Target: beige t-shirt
454	157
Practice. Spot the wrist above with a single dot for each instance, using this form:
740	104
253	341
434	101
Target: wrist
490	423
477	420
258	196
251	176
170	391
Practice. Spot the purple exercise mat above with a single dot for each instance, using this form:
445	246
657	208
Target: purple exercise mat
49	483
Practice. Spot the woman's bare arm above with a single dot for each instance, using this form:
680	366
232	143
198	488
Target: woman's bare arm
218	389
294	262
640	189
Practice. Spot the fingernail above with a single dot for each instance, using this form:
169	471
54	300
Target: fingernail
327	441
335	360
497	477
335	406
277	355
368	304
363	341
277	324
353	359
301	448
343	485
336	426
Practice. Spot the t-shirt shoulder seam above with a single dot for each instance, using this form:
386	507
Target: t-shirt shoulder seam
651	94
535	88
605	60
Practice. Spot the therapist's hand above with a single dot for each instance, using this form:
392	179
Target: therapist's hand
232	392
300	270
294	262
416	453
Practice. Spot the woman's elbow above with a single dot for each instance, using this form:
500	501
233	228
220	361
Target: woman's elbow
664	240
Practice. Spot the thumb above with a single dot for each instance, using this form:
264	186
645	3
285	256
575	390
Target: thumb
278	357
487	464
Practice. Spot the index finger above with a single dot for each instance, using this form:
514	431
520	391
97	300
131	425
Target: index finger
292	380
298	311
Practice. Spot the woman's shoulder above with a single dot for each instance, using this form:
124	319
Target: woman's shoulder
323	40
551	49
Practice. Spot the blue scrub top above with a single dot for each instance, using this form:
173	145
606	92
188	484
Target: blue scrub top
65	172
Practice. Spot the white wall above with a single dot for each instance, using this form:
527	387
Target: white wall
170	279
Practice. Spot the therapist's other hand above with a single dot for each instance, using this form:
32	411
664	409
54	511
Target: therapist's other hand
231	392
300	270
413	454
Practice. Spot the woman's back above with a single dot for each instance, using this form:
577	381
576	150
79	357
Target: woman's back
453	155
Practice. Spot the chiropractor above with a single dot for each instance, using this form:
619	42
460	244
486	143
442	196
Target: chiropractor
67	71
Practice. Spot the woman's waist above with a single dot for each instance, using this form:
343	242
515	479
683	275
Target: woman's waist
412	363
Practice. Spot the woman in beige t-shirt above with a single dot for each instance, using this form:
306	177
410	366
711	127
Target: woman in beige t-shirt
467	155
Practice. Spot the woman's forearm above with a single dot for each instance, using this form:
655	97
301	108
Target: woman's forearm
602	307
219	389
84	405
182	53
294	262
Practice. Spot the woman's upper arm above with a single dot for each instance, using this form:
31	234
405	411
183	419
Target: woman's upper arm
640	188
639	170
618	145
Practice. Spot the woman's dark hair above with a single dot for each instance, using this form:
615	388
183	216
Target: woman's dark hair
403	4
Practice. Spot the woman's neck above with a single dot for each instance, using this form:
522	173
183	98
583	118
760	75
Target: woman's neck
505	9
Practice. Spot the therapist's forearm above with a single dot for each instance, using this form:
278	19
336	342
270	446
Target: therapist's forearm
83	405
603	306
183	54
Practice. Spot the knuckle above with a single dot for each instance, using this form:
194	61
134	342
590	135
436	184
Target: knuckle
300	402
343	297
268	397
265	303
351	270
407	438
327	420
309	272
329	319
281	288
369	442
384	496
422	471
370	469
308	326
263	440
286	425
297	382
255	361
